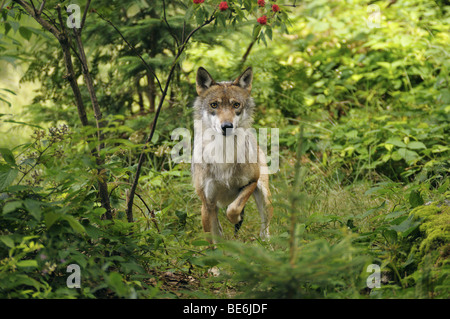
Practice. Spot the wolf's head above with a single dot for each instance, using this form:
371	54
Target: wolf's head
224	106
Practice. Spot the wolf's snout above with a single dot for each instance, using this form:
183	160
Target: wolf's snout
225	126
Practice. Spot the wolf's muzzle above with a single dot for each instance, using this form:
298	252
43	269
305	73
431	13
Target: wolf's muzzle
226	128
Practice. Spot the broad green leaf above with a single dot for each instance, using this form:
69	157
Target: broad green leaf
76	226
396	141
11	206
406	226
415	199
396	156
386	157
8	156
34	208
115	282
7	176
24	32
444	187
7	240
408	155
11	280
415	145
50	218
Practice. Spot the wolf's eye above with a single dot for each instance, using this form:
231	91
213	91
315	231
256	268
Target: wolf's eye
213	105
236	105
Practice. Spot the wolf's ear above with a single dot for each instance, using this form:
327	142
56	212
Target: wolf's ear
245	80
204	80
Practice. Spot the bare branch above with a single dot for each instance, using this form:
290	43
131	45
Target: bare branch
32	4
168	25
85	14
151	212
41	8
61	23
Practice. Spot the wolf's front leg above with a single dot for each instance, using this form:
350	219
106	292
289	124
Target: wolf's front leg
210	222
235	208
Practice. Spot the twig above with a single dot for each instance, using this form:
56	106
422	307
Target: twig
61	23
246	54
34	8
151	212
35	164
148	67
41	8
44	23
89	82
168	25
85	14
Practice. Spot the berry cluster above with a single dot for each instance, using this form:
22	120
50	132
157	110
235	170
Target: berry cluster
223	6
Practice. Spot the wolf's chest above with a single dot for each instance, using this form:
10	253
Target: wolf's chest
223	183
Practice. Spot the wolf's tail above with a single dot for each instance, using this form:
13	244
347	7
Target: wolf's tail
239	224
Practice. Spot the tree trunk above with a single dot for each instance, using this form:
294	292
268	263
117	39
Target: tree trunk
63	39
103	186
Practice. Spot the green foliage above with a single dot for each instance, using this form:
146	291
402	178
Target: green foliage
320	270
368	185
53	221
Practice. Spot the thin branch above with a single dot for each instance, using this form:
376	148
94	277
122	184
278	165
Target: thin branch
246	54
184	31
85	14
148	67
32	4
151	212
53	21
35	164
61	23
41	8
89	84
44	23
168	25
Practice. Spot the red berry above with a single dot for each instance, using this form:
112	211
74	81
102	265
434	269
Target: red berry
275	8
223	6
262	20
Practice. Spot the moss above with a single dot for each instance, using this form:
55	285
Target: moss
432	249
435	227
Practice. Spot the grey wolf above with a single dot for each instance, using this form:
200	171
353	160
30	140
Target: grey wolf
224	112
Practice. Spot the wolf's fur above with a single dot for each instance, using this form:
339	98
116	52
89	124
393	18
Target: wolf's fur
231	180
